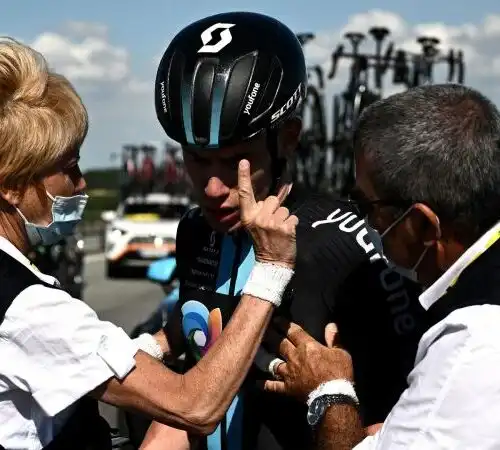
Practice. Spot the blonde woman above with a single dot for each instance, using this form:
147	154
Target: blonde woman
56	357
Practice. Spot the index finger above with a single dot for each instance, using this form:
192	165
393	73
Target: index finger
296	335
245	189
279	344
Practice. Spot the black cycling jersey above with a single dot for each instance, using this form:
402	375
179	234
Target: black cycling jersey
338	277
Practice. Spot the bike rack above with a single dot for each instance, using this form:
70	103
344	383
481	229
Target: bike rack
330	161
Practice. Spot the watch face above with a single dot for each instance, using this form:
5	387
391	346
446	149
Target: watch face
315	412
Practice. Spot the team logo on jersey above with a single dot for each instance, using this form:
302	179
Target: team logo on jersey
213	235
201	328
225	38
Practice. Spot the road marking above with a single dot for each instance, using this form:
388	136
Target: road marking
94	258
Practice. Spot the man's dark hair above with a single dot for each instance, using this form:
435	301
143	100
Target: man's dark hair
438	145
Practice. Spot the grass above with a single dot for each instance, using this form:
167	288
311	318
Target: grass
100	200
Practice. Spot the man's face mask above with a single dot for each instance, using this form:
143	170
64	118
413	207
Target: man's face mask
377	240
67	212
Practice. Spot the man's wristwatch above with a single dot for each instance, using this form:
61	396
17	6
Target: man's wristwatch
335	392
319	405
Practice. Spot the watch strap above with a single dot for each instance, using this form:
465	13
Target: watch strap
320	405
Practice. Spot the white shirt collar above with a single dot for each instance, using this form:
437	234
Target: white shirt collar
440	286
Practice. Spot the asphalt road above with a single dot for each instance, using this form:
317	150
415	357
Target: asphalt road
124	302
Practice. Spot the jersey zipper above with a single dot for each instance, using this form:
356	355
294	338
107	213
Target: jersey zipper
238	241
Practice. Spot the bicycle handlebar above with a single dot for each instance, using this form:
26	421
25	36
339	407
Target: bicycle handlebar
423	62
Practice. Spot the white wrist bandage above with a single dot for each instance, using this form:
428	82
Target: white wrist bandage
147	343
333	387
268	282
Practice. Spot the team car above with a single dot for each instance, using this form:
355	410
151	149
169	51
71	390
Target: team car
142	229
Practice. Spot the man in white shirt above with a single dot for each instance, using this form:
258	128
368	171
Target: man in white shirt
427	180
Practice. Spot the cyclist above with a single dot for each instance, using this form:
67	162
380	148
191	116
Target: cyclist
229	87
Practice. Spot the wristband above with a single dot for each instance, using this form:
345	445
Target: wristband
268	282
147	343
334	387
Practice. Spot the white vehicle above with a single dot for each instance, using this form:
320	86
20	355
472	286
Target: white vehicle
142	230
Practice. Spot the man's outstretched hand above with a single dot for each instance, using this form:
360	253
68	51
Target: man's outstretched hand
307	363
270	225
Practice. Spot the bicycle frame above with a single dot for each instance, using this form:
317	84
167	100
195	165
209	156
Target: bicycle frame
325	163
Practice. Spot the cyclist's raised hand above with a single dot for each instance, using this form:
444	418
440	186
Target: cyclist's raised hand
270	225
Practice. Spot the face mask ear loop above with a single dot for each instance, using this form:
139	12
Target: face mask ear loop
277	164
420	259
21	214
396	222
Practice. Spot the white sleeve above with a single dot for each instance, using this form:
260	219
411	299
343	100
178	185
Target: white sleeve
453	401
61	348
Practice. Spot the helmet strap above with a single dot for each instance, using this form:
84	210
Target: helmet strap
277	164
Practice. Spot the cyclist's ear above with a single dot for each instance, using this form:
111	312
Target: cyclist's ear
288	137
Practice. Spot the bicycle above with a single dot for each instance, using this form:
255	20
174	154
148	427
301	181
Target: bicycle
310	160
349	105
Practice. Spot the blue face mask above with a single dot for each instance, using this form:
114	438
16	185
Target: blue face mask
67	212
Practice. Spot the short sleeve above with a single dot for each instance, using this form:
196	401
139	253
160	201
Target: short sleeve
56	348
326	257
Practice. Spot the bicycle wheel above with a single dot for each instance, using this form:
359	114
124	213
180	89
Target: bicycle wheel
336	123
318	137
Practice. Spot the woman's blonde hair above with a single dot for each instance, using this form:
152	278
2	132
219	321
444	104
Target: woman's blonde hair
41	115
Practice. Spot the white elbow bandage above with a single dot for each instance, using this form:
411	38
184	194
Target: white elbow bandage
147	343
268	282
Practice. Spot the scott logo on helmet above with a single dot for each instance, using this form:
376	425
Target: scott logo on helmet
251	99
225	38
293	99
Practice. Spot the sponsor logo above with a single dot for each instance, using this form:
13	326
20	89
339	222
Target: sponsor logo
291	101
390	281
251	98
225	38
348	222
207	261
163	96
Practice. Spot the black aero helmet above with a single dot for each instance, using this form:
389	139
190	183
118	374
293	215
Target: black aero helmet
228	77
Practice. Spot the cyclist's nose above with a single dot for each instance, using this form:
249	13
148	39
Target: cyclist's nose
215	188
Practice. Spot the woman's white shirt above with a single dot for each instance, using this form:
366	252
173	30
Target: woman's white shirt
53	350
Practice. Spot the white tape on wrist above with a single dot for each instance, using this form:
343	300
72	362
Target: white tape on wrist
333	387
268	282
147	343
